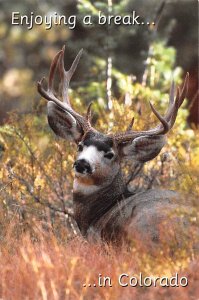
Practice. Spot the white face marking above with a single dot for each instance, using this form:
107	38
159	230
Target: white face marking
83	188
101	166
91	155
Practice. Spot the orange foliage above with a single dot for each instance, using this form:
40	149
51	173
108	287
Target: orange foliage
39	259
47	269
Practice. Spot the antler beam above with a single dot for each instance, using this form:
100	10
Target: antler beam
48	94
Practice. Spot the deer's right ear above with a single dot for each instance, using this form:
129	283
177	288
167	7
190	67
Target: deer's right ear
143	148
63	123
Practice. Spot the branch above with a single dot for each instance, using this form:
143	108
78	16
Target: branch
135	173
51	184
37	199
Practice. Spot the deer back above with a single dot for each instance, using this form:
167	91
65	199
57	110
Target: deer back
150	219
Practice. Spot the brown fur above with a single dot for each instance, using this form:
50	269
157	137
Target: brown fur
85	180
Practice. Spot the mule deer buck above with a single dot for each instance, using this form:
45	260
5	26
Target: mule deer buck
103	206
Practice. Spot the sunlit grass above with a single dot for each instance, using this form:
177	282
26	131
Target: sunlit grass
48	269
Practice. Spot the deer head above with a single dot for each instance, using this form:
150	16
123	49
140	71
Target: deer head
98	154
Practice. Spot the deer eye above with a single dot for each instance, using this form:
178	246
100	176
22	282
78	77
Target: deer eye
109	155
80	148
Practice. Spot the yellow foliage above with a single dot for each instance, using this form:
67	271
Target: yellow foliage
36	189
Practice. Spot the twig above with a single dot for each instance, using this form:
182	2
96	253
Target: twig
152	179
6	185
137	170
38	162
60	180
37	199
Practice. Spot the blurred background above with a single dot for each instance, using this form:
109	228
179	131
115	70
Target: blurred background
122	68
114	56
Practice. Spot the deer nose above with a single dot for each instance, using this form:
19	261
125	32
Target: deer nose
82	166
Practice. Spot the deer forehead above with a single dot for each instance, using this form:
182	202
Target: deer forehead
91	154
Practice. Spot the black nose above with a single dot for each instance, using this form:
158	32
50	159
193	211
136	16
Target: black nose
82	166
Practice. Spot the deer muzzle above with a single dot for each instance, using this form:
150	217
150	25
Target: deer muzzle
82	166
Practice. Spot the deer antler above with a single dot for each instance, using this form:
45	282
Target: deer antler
48	94
167	121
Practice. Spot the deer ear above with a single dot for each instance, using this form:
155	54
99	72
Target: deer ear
143	148
63	123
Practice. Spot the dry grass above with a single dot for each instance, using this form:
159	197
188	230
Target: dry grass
37	260
44	268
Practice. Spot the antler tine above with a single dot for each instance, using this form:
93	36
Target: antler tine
53	68
75	63
48	94
171	101
174	111
66	75
180	96
172	93
130	125
162	120
88	114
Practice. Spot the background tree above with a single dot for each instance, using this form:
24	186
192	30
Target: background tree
25	55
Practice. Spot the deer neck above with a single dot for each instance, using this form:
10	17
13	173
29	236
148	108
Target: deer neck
89	208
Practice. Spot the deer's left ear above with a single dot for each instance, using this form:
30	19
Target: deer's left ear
63	123
143	148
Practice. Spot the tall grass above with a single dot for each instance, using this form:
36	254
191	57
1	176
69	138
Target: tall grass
42	267
39	259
